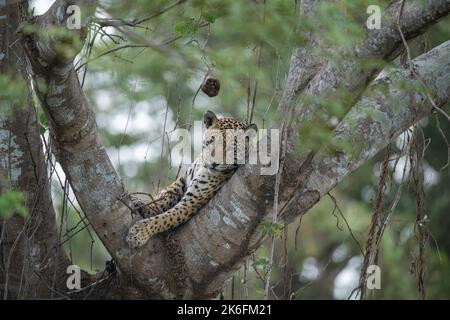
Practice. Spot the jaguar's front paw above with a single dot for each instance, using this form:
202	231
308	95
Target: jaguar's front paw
138	234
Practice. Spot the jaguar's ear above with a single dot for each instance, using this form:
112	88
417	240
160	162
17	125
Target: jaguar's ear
209	119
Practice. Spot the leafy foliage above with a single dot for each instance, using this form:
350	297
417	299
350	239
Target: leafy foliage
187	26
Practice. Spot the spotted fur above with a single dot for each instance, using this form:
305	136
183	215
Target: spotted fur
183	198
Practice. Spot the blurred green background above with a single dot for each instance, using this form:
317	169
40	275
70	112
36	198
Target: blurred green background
139	93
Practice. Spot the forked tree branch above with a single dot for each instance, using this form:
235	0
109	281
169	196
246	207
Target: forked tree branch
314	78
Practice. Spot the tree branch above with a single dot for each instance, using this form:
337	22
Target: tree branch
78	148
247	198
29	248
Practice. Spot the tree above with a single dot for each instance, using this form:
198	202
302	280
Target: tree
194	264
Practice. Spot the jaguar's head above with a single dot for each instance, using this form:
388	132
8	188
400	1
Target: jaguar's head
227	143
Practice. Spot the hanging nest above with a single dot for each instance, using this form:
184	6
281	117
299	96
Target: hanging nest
211	87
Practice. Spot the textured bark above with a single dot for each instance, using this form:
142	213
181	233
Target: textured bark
205	251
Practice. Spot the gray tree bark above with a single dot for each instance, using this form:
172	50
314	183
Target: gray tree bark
29	250
211	246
